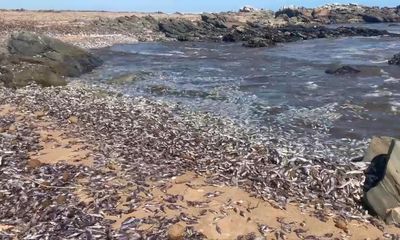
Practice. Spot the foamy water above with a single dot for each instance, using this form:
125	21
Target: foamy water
276	91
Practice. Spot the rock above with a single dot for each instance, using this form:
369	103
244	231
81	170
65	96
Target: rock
178	28
39	59
372	19
247	9
382	184
215	20
258	42
395	60
176	232
64	59
393	216
290	12
378	146
129	78
320	13
342	70
20	75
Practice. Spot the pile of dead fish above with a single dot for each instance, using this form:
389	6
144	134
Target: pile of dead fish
39	201
150	141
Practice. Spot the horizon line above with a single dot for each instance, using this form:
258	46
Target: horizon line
186	12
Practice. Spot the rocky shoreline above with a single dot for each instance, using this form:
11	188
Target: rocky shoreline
257	28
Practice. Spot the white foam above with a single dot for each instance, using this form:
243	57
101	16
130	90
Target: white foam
379	93
379	61
311	85
392	79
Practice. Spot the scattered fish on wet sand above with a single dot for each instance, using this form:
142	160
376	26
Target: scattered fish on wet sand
133	148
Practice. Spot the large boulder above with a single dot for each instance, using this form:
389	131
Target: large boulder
64	58
382	184
35	58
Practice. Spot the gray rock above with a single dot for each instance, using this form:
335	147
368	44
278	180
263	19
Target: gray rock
20	75
382	187
43	60
393	216
377	146
215	20
372	19
66	59
181	29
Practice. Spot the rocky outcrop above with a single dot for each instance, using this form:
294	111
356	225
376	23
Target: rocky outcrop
350	13
254	34
181	29
395	60
382	192
216	20
63	58
43	60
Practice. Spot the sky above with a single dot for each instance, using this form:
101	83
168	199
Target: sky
171	6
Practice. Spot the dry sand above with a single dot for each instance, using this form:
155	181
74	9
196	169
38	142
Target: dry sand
223	212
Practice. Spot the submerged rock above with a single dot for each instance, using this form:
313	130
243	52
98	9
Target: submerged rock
129	78
258	42
395	60
342	70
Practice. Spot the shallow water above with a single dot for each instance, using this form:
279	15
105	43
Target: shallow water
281	90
